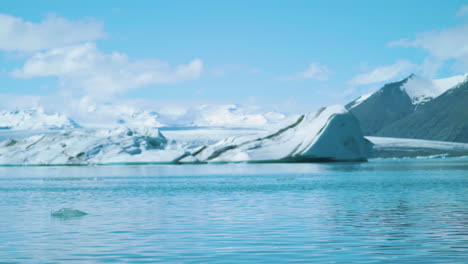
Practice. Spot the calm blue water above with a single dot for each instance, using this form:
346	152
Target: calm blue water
407	211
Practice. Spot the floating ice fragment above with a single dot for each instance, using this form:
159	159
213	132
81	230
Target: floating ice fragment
67	213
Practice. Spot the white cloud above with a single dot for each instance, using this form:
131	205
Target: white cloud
462	11
315	71
52	32
448	44
85	67
430	67
384	73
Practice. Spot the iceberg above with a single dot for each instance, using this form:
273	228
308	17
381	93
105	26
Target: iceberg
87	147
331	134
68	213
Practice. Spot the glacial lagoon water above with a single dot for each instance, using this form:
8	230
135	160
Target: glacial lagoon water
382	211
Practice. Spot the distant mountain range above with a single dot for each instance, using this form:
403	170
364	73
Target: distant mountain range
110	116
34	119
416	108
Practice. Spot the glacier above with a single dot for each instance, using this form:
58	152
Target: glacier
386	147
331	134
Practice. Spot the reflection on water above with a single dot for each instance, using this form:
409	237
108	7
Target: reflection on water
405	211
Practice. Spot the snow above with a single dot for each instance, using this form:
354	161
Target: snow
88	147
222	116
421	90
402	147
230	116
34	119
448	83
361	99
330	134
204	135
110	116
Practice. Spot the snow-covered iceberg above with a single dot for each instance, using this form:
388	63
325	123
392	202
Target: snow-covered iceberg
331	134
87	147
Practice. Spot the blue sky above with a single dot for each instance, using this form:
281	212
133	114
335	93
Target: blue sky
289	55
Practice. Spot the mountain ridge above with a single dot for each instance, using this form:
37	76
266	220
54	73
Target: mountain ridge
416	108
444	118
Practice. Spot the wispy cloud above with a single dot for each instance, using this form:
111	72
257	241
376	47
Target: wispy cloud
451	43
384	73
430	67
448	44
85	67
463	11
52	32
315	71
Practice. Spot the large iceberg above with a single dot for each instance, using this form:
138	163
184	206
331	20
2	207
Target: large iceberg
87	147
331	134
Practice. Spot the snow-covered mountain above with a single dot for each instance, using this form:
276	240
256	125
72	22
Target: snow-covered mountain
396	101
387	105
422	90
34	119
443	118
418	89
226	116
110	116
230	116
330	134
